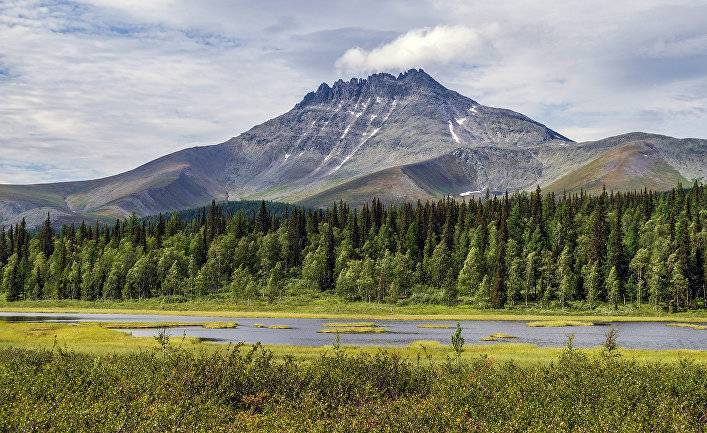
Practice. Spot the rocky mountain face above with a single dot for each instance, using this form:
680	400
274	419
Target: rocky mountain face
359	127
398	138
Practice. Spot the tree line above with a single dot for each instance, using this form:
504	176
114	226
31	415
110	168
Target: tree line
527	248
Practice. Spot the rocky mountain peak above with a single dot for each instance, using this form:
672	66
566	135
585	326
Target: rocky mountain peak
413	81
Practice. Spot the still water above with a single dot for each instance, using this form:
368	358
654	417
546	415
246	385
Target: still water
637	335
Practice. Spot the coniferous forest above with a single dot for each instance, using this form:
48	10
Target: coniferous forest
522	249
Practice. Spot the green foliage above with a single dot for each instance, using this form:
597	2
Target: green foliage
577	251
250	390
458	341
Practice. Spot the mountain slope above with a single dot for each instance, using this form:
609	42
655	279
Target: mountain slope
622	163
399	138
630	167
359	127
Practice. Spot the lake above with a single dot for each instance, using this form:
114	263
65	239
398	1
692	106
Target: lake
636	335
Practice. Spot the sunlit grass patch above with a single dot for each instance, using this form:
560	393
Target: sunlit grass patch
262	326
337	309
425	344
498	336
694	326
220	325
558	323
351	325
352	330
146	325
93	338
160	325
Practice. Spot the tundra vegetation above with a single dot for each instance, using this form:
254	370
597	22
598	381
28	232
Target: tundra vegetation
578	251
248	389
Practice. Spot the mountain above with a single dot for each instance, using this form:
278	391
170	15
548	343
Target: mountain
399	138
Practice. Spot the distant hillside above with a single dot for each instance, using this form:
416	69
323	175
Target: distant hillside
249	207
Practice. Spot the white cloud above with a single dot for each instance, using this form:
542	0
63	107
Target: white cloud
87	99
94	87
419	47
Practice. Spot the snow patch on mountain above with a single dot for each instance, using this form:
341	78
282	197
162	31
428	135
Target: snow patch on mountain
454	135
468	193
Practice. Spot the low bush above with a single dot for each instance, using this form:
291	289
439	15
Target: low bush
248	390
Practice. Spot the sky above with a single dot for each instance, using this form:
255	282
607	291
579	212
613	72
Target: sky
90	88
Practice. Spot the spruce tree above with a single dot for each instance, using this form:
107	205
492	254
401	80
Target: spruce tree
262	219
328	279
4	247
46	238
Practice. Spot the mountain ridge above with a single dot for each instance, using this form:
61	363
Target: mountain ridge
398	138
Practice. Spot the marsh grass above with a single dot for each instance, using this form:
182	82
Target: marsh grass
558	323
327	306
92	338
158	325
146	325
351	325
498	336
694	326
219	325
352	330
262	326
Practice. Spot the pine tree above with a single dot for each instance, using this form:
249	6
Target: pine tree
566	276
530	277
613	287
46	238
657	282
593	284
262	219
328	278
4	247
12	279
679	288
515	281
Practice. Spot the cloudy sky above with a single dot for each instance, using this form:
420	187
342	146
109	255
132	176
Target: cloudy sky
94	87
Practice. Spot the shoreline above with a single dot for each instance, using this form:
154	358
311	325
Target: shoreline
93	338
312	312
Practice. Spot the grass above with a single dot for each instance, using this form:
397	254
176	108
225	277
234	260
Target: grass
558	323
146	325
333	307
219	325
260	325
93	338
352	330
351	325
84	337
498	336
694	326
158	325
